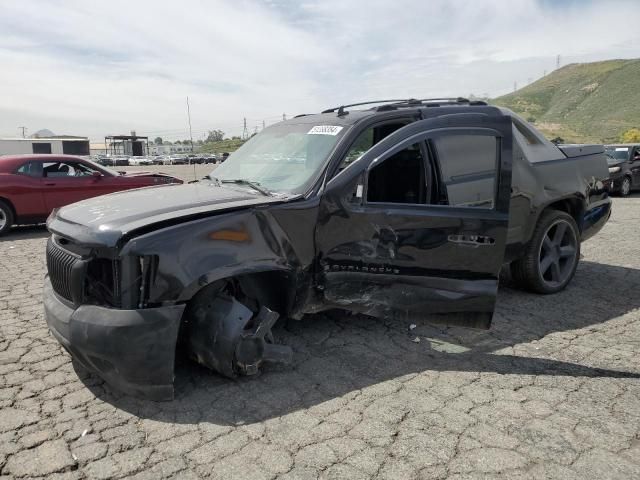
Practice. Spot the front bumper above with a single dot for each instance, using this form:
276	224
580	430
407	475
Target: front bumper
132	350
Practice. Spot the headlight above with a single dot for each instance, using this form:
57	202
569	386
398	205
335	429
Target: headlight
614	169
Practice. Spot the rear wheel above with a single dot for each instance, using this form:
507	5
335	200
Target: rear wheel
625	186
6	217
552	256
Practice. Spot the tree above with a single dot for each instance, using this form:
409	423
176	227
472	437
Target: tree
178	142
215	136
158	141
631	136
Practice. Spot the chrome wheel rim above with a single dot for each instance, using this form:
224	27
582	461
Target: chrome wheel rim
558	253
626	186
3	219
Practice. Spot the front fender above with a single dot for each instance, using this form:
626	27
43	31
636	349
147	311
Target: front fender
193	254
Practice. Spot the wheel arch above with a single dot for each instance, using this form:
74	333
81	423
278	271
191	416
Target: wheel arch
11	206
574	206
272	287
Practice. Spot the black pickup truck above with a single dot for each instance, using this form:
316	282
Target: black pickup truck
405	208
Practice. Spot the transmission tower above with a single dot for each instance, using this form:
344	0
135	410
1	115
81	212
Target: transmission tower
245	132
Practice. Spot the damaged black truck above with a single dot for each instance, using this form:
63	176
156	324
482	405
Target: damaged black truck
399	208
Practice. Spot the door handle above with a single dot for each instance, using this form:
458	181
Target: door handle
471	240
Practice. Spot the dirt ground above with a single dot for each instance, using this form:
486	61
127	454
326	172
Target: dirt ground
551	391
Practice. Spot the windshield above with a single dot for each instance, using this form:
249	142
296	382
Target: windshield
617	155
102	168
283	158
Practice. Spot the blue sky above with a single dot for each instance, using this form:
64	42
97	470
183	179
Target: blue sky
96	68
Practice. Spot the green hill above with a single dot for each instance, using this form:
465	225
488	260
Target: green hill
227	145
582	102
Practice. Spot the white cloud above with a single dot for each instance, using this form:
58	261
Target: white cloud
95	68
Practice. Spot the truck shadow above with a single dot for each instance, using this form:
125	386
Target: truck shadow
337	354
25	232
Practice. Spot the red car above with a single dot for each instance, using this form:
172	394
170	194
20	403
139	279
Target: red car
33	185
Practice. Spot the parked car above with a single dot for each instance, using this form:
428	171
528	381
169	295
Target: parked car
194	159
210	158
114	161
624	168
31	186
136	161
409	208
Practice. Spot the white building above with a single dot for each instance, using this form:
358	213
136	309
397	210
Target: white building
168	149
56	145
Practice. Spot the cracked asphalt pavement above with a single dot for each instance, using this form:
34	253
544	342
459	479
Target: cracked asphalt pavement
551	391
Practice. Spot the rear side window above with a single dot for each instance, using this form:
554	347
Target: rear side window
468	167
31	169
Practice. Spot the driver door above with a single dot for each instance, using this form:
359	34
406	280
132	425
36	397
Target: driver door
417	226
66	182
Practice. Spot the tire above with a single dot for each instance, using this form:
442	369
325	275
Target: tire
6	217
551	257
625	187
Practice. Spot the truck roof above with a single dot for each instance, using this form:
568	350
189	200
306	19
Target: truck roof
535	146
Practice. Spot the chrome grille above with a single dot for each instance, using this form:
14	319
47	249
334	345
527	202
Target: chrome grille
60	264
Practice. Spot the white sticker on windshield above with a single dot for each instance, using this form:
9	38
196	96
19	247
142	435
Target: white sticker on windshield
325	130
622	149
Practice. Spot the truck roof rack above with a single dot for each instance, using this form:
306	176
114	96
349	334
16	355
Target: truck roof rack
342	107
409	102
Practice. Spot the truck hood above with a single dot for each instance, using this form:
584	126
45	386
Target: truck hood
104	220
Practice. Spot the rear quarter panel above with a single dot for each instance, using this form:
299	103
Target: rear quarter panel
538	185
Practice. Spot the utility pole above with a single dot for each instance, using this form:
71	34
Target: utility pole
515	86
558	61
245	132
263	124
24	129
189	117
284	116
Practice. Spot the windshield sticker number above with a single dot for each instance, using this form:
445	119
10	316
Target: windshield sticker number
325	130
